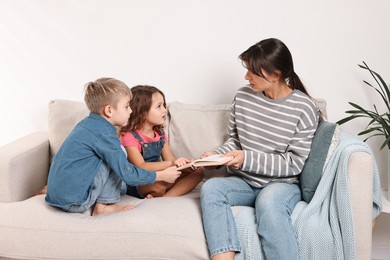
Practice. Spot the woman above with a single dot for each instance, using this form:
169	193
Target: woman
272	124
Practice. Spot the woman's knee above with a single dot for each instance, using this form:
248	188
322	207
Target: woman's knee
208	186
212	187
278	197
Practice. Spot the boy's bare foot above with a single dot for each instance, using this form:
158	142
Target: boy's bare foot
101	209
42	191
149	196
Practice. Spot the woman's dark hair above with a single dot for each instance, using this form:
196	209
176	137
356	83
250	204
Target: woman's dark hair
272	55
140	104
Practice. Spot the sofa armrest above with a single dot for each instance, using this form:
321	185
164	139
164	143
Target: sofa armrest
24	166
361	172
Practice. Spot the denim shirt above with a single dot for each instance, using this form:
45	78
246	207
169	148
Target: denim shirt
78	160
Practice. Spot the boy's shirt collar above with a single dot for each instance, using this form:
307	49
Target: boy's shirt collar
101	119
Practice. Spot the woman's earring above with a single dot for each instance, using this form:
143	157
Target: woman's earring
287	80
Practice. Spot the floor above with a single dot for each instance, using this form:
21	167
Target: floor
381	238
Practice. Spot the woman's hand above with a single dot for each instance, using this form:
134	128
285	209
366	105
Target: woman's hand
238	159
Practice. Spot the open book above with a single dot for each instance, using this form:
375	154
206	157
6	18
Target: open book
212	160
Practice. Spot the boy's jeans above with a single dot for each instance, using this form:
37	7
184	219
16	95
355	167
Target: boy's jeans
273	206
105	189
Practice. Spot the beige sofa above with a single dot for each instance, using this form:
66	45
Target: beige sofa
160	228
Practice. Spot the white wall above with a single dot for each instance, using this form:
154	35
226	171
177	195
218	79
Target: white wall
50	49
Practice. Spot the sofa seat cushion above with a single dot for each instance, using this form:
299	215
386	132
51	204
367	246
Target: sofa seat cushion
160	228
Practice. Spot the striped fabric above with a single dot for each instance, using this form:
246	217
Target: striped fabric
275	135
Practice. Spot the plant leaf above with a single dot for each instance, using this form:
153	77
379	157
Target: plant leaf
378	124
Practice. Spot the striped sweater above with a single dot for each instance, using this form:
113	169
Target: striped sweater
275	135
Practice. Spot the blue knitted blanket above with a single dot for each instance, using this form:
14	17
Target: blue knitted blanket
324	227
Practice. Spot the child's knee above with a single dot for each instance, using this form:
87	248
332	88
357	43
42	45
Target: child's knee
199	174
159	189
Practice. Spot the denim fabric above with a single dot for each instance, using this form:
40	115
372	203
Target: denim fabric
133	191
105	189
273	206
151	152
93	141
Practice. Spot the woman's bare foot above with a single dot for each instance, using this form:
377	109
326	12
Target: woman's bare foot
101	209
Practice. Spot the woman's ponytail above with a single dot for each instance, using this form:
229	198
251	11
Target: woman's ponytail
295	82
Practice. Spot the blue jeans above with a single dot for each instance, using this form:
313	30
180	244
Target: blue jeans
273	207
105	189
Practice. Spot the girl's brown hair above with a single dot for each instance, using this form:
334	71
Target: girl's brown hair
103	92
140	104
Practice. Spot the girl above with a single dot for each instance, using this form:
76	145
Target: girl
272	124
145	142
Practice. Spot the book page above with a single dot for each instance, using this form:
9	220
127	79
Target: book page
212	160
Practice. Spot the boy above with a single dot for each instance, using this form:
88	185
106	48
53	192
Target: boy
90	165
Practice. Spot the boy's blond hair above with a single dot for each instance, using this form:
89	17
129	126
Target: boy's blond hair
103	92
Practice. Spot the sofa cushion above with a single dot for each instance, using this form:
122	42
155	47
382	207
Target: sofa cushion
159	228
321	104
195	129
324	141
63	116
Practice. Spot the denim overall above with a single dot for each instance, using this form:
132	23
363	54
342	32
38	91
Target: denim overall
151	152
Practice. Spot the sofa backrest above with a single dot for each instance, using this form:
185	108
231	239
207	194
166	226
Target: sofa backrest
191	129
195	129
63	116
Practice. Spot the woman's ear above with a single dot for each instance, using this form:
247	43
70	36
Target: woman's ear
277	75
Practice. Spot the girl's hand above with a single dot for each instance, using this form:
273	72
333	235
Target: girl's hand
238	159
181	161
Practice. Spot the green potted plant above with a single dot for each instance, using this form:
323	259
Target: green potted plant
379	123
